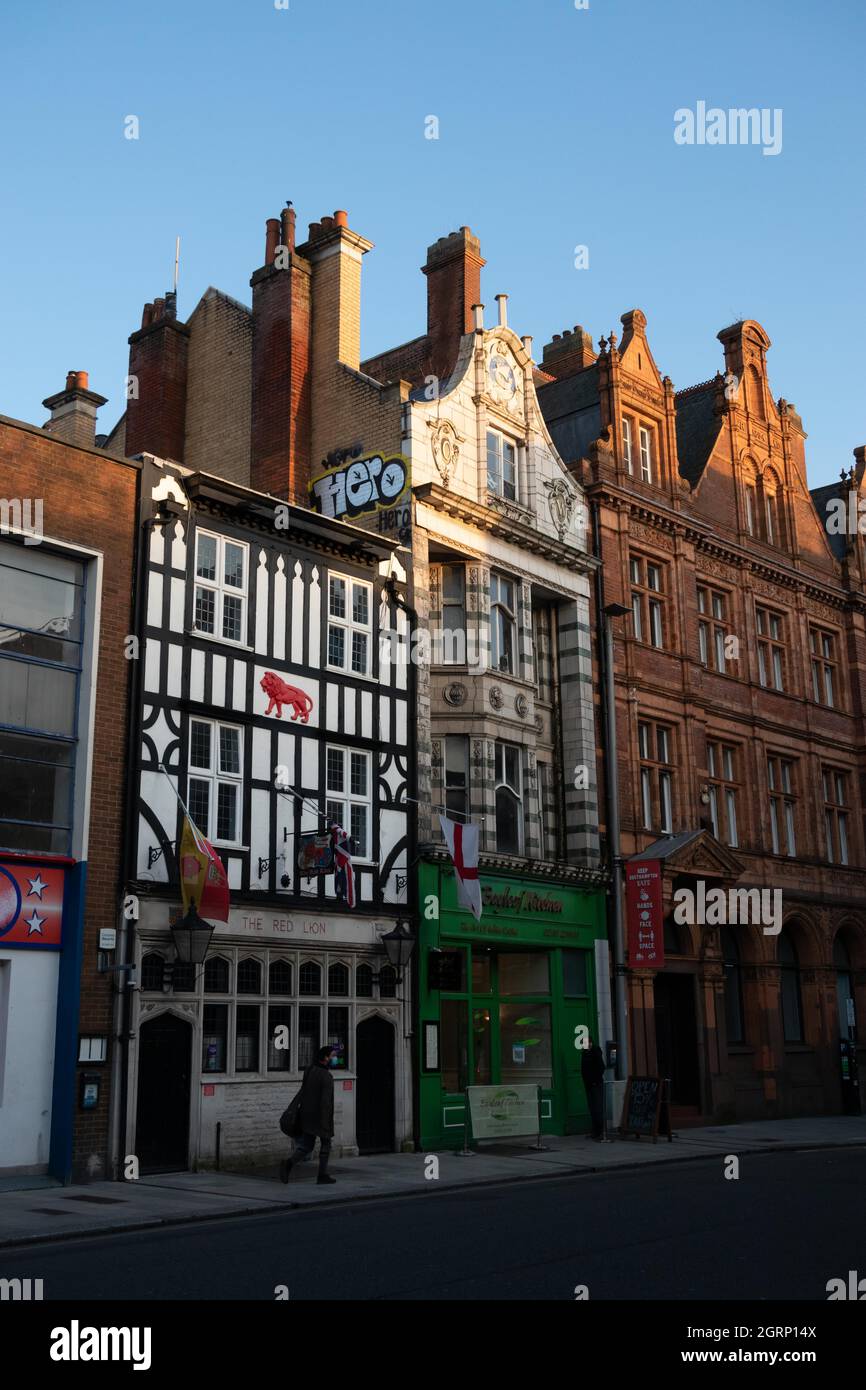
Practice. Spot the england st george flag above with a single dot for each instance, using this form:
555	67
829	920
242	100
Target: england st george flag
462	841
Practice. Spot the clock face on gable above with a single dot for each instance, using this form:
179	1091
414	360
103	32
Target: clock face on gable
501	376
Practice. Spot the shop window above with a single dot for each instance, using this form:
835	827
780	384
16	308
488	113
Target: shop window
338	979
280	977
183	979
481	1049
457	776
216	976
364	982
247	1037
214	1037
388	982
350	624
249	976
338	1034
220	587
844	991
279	1030
792	1010
309	1025
525	1044
310	978
509	799
41	614
524	972
482	980
454	1042
575	974
152	971
733	986
215	779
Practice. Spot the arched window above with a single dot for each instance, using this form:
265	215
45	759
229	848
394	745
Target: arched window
249	976
364	982
733	986
750	490
755	394
216	976
280	977
773	517
183	978
338	979
310	978
792	1009
387	982
152	969
844	991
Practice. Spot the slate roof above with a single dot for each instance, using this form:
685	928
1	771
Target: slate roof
572	412
820	497
698	429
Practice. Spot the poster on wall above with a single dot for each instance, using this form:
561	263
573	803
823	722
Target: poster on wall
31	905
644	912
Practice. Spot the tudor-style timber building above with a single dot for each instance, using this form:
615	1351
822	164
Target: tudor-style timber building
262	695
740	698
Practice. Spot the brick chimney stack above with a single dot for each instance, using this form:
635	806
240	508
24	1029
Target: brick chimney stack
334	253
453	271
569	352
156	405
73	411
281	347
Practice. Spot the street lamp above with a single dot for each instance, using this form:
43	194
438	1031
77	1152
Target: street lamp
191	937
399	945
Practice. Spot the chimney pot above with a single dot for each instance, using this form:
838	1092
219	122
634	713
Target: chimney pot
341	218
287	220
81	380
478	317
70	381
272	236
502	301
315	231
327	223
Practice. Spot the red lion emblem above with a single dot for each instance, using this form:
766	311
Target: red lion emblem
280	694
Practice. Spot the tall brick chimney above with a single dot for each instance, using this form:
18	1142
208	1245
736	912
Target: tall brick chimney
453	273
73	411
568	352
281	418
156	405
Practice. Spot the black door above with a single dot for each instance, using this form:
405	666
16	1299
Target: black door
374	1115
162	1126
676	1036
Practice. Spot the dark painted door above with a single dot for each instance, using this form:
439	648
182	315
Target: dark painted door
374	1112
676	1036
162	1127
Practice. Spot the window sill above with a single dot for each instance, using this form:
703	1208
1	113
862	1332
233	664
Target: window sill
352	675
220	641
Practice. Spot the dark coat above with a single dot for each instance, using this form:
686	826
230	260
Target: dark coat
317	1102
592	1065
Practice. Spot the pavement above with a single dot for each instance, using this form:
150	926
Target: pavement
46	1212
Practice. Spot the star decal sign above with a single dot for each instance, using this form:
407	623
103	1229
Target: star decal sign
31	905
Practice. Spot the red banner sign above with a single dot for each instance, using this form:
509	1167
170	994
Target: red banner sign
31	904
643	901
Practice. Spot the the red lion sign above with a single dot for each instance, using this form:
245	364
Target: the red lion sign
280	694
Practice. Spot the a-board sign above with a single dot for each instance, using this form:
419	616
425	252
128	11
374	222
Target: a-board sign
643	1100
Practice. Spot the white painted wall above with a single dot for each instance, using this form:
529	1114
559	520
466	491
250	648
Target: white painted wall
28	1009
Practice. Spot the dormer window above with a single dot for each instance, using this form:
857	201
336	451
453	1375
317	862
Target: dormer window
501	465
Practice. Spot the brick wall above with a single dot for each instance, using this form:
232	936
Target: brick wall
217	435
89	499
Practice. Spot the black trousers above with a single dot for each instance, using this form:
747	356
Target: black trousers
595	1098
304	1147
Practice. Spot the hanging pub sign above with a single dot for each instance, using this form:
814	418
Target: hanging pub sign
316	855
643	900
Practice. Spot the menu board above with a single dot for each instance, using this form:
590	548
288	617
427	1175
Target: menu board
640	1113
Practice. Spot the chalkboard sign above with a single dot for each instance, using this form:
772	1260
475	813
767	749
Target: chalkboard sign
640	1113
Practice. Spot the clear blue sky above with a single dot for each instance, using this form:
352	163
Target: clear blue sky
556	129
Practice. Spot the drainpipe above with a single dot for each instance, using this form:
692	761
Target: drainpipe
606	614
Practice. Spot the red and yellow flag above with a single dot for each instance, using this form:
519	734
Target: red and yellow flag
204	884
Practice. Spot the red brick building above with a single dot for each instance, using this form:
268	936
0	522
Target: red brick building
740	680
67	551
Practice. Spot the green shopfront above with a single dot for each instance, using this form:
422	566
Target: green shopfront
501	1000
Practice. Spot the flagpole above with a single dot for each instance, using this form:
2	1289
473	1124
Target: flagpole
181	802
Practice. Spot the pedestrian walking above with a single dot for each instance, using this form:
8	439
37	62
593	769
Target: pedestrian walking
316	1117
592	1070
